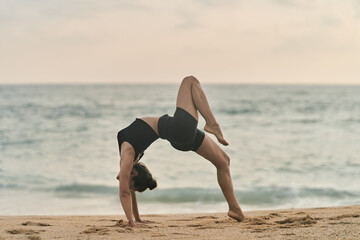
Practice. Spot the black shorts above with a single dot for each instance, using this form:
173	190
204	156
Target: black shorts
181	130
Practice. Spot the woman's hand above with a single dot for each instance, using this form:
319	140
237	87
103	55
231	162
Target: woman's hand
138	224
132	223
144	221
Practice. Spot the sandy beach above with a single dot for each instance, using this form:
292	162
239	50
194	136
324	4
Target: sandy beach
314	223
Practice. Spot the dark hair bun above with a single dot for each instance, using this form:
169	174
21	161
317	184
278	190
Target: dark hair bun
152	184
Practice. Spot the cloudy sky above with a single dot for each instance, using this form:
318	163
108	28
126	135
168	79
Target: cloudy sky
229	41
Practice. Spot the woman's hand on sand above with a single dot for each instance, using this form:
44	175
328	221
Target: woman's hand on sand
144	221
137	225
131	223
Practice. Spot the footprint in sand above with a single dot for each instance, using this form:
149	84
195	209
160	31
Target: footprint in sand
124	225
258	230
345	216
298	221
95	230
29	223
274	215
229	220
105	220
194	225
262	220
183	220
206	217
185	234
159	235
341	223
288	234
201	226
300	213
28	232
256	221
120	223
120	226
34	238
173	226
23	231
208	227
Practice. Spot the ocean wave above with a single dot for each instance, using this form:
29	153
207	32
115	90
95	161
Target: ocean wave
280	195
304	121
72	111
312	108
351	120
9	185
241	111
20	142
85	188
255	196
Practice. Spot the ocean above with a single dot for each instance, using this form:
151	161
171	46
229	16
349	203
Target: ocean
290	147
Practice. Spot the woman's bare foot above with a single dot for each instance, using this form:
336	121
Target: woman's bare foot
215	129
236	214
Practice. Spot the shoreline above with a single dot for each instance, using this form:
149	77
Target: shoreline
306	223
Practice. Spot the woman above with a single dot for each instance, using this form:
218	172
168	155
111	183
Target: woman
182	133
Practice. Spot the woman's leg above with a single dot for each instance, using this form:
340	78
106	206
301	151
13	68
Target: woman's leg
191	98
212	152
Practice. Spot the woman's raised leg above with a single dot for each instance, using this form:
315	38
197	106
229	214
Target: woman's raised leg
212	152
191	98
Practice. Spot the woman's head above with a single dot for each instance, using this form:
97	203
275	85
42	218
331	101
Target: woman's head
143	178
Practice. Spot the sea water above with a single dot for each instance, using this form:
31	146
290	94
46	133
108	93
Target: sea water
290	147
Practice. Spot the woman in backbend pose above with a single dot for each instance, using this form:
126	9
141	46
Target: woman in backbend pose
182	133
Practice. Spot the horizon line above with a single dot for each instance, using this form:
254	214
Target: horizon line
164	83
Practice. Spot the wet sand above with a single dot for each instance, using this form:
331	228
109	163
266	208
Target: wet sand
314	223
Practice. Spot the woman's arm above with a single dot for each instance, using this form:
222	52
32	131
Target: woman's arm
135	209
126	165
135	206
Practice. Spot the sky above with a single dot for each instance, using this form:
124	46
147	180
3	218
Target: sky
162	41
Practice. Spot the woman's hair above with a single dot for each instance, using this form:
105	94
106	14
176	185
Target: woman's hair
143	179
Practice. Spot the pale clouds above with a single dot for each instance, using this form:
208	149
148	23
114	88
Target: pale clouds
254	41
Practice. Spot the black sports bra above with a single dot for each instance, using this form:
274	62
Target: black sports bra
140	135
